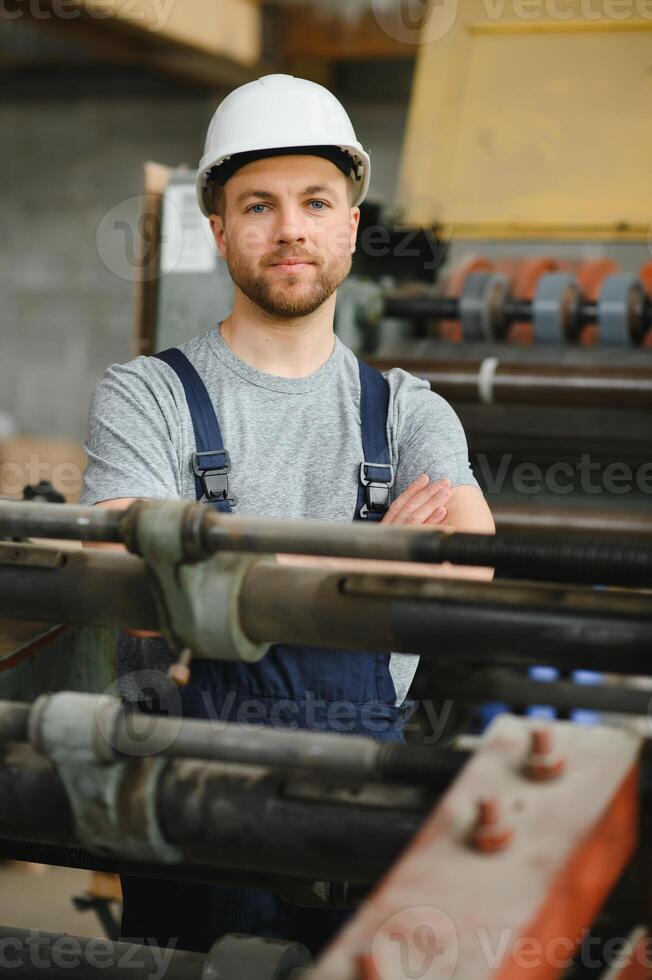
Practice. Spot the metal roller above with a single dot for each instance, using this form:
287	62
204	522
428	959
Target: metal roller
555	309
620	311
237	955
480	306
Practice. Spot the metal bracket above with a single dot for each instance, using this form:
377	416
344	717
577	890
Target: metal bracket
74	730
198	601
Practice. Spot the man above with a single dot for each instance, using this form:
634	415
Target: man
281	180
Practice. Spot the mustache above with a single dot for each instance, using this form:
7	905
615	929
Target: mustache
284	258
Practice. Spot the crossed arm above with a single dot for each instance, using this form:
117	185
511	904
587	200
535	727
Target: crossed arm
424	504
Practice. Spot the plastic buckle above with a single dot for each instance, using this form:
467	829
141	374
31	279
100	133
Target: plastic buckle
376	490
214	479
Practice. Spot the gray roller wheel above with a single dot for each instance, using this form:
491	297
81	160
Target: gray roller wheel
554	310
620	311
238	957
481	306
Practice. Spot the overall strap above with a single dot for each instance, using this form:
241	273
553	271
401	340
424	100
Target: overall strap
376	472
210	461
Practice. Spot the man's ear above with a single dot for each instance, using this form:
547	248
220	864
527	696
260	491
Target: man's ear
355	221
218	230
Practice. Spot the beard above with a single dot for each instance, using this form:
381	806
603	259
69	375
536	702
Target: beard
288	296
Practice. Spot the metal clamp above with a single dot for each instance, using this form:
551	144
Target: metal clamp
214	479
376	490
75	731
198	601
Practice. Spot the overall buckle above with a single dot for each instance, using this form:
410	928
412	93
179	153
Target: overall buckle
214	479
376	488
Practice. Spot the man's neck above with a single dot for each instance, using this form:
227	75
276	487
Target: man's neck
286	348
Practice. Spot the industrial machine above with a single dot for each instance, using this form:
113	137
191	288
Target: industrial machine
515	276
458	857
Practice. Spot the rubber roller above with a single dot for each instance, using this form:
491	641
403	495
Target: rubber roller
620	311
480	306
555	309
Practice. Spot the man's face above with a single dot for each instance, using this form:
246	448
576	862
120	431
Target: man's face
287	208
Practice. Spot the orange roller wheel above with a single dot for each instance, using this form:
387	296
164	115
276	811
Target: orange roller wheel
646	279
525	287
451	330
590	276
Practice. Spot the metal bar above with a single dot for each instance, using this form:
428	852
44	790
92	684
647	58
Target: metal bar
204	532
568	520
415	614
245	819
69	856
88	587
252	819
72	522
356	756
536	384
493	684
472	621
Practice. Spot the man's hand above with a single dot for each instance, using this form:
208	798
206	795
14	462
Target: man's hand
420	503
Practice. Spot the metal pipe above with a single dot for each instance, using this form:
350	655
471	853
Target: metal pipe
535	384
248	819
254	820
71	522
624	524
417	614
205	532
91	587
356	756
523	622
493	684
70	856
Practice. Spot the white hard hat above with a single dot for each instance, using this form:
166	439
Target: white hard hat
279	112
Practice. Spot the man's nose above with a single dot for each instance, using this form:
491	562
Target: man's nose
291	224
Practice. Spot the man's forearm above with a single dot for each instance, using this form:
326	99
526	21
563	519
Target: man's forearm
365	565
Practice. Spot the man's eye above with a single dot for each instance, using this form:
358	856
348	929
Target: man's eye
320	202
256	206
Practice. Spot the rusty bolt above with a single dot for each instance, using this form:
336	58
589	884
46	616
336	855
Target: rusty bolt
543	762
179	672
490	833
366	967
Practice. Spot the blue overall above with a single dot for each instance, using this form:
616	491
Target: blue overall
304	687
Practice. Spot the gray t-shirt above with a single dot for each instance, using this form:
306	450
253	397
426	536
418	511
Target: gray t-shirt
295	445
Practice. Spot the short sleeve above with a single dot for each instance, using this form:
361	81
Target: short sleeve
129	443
427	433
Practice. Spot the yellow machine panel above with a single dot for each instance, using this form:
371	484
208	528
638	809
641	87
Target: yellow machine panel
532	119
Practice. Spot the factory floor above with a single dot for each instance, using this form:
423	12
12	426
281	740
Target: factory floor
40	898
